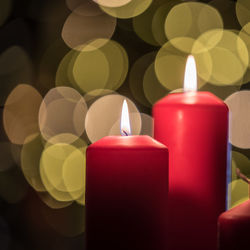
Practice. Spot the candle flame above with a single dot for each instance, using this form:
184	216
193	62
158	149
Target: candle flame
190	79
125	122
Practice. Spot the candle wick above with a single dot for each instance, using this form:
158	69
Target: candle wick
242	176
124	132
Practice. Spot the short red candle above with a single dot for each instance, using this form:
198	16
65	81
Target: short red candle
194	127
126	194
234	228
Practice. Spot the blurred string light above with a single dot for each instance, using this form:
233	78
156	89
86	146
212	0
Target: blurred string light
105	67
243	11
93	95
239	192
158	20
131	9
87	23
62	169
143	25
239	106
62	111
30	161
147	127
20	113
153	90
170	63
229	56
112	3
136	76
191	19
100	64
103	117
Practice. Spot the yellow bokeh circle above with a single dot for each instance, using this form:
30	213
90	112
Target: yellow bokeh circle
229	56
191	19
101	68
171	60
132	9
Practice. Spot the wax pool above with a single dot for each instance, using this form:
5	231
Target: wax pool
194	127
126	194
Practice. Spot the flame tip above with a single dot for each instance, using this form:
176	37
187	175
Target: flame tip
125	122
190	79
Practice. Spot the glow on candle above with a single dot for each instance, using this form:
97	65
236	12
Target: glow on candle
125	122
190	79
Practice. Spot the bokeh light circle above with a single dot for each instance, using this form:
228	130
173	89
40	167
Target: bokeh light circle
87	23
106	67
142	24
136	76
191	19
132	9
20	113
170	63
239	106
51	202
30	161
158	21
147	123
112	3
243	11
52	167
244	35
229	56
62	111
241	162
153	89
239	192
105	112
64	73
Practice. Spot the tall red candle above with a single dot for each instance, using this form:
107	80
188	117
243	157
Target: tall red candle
194	127
126	194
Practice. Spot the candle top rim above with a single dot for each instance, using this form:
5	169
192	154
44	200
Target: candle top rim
233	213
203	98
128	142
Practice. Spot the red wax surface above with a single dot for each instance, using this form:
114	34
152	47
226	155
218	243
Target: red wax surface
194	127
234	228
126	194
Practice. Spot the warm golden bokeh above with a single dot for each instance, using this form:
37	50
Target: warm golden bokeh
98	68
132	9
65	69
62	111
87	23
20	116
104	115
191	19
239	105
